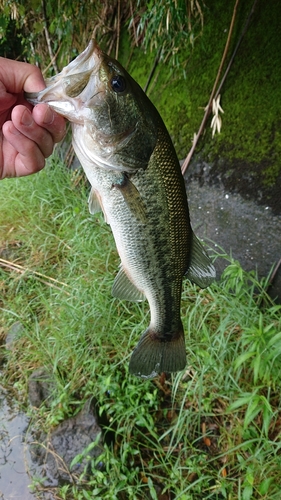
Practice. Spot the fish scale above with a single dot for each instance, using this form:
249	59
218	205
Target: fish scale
129	159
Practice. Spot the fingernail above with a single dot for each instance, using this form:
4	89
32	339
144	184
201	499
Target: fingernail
26	118
49	116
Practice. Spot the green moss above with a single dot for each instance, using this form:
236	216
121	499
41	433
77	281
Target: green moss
250	97
270	175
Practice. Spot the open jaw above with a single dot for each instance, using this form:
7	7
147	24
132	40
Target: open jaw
68	91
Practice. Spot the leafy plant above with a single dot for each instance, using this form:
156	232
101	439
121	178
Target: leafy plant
50	33
261	350
167	26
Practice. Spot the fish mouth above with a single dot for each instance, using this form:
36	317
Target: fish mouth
66	91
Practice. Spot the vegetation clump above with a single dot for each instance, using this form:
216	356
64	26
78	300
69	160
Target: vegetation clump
212	431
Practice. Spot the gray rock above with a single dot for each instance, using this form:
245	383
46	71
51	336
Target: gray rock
69	439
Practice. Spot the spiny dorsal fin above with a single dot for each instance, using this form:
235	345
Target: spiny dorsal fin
201	270
124	289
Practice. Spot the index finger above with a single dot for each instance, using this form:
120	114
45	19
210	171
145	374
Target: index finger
18	76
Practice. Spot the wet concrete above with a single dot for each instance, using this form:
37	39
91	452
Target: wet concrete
250	232
14	455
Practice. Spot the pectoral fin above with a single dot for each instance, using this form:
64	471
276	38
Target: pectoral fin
201	270
95	204
132	197
124	289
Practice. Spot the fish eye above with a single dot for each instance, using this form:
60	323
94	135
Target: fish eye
118	83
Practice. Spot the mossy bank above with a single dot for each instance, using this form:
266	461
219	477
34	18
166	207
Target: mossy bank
246	154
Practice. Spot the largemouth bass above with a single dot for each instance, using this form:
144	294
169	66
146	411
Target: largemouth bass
129	159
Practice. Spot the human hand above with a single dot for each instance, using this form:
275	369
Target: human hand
27	134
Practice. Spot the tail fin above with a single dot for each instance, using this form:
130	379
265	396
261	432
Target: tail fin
154	355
